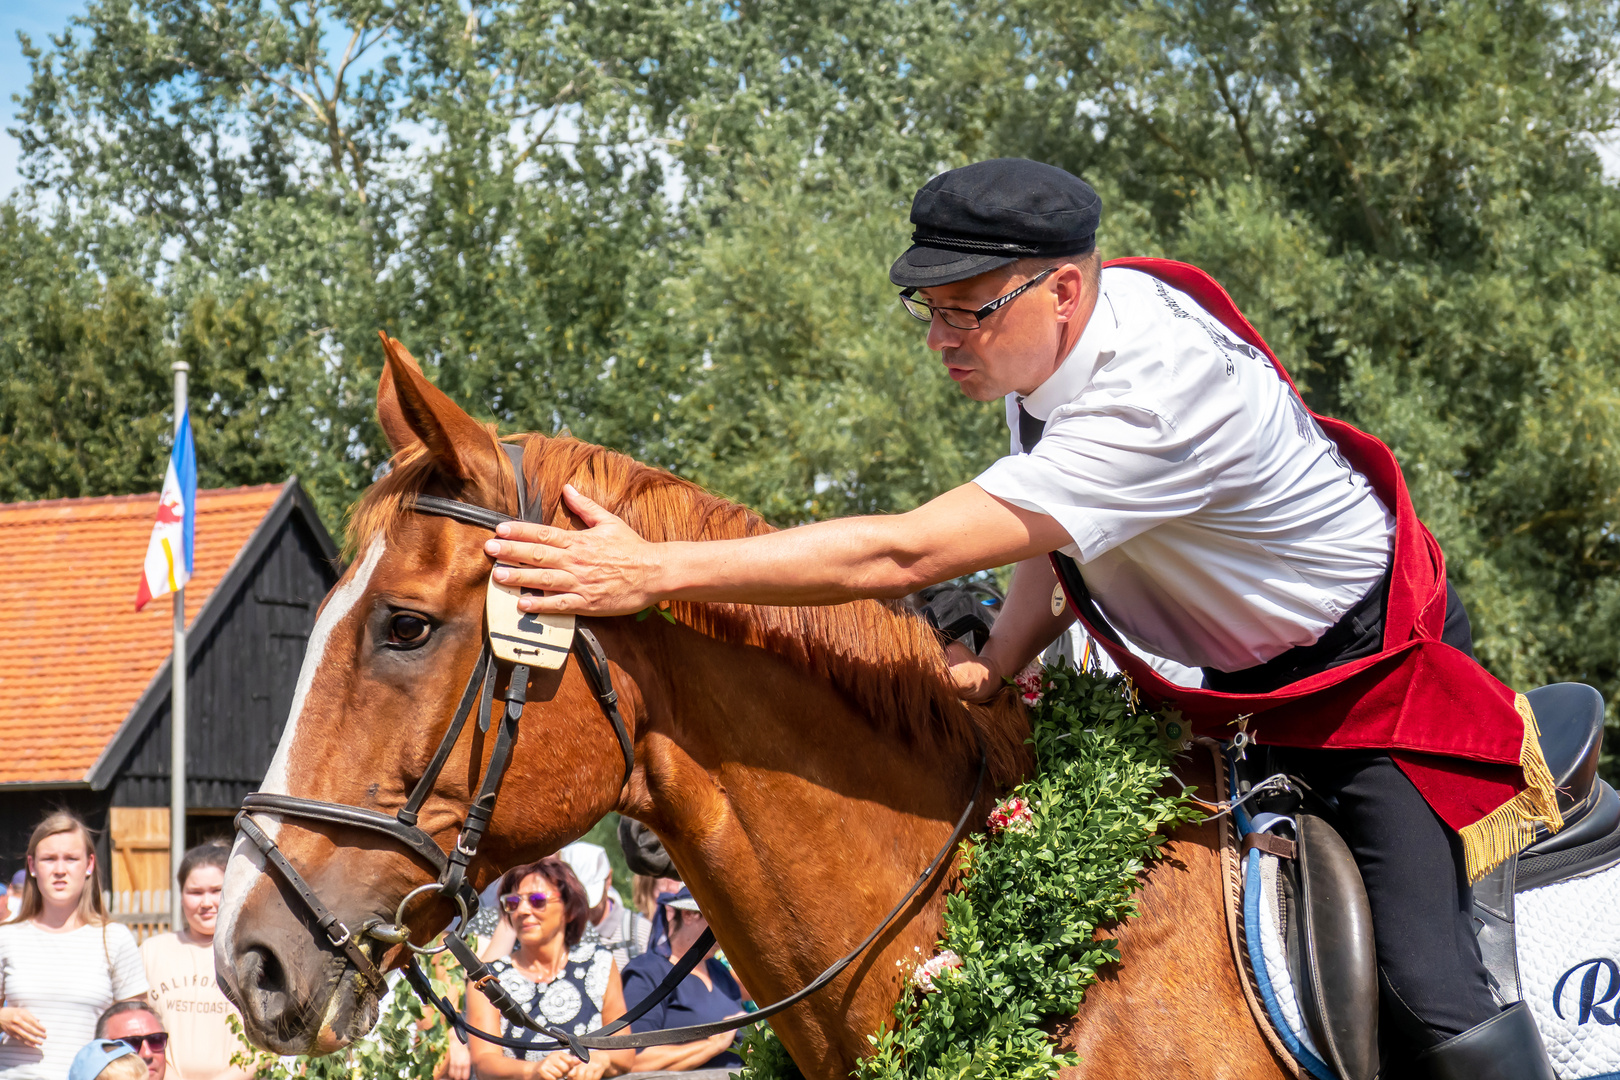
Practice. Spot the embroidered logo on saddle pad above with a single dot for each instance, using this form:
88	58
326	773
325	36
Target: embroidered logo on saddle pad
1568	943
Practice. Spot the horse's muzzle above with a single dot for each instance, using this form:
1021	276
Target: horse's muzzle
296	998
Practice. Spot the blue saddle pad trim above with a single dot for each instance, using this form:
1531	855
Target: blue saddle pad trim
1251	918
1257	961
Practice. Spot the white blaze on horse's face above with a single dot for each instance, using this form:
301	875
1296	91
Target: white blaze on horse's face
247	862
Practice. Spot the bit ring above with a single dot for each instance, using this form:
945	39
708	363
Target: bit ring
433	887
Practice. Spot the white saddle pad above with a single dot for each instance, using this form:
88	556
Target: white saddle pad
1568	940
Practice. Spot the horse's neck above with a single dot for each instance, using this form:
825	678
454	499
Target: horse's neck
798	822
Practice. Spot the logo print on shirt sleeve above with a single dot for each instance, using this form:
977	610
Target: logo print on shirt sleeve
1227	346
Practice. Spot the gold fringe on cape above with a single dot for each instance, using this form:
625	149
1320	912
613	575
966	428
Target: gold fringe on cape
1511	827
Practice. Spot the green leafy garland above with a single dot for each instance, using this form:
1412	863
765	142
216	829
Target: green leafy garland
1066	861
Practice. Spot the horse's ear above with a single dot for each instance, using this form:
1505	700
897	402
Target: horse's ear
389	414
411	409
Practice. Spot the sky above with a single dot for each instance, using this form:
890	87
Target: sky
37	19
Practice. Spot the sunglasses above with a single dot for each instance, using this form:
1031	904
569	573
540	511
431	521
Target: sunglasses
157	1040
537	901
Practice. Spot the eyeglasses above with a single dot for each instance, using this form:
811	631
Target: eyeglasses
157	1040
537	901
961	318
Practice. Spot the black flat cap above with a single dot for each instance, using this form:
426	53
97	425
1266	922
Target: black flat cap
974	219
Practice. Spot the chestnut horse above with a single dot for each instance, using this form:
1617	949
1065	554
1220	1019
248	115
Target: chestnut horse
801	765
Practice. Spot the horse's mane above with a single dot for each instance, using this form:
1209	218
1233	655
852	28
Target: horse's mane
885	659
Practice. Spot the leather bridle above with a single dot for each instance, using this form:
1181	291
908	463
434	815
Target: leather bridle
451	868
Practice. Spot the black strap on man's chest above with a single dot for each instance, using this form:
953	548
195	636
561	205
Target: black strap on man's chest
1030	431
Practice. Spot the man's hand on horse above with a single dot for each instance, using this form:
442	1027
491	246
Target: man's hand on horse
975	679
603	569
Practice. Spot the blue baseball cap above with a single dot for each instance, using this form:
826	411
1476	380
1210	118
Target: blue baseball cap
95	1056
680	900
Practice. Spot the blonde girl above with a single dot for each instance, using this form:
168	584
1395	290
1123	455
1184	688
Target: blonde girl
62	961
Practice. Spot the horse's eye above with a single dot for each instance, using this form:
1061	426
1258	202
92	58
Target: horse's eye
407	630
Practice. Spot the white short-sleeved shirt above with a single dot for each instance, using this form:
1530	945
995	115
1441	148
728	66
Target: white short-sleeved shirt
67	981
1217	524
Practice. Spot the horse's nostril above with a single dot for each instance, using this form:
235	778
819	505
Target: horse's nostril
264	985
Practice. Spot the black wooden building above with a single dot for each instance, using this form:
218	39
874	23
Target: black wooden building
264	562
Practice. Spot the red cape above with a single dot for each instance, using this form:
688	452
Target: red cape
1468	742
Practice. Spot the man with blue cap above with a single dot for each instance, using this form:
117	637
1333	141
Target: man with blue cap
1166	484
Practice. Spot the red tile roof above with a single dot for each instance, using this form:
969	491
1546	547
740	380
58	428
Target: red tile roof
75	656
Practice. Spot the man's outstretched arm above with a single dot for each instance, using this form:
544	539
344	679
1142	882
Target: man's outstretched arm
606	569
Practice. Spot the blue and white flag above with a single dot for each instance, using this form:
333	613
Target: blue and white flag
169	554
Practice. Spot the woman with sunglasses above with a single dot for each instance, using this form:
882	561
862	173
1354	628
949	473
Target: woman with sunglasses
558	974
62	960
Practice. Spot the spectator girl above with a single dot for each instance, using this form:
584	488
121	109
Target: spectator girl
708	993
62	961
180	969
556	977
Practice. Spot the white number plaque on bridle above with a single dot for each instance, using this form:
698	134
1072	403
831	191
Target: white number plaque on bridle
524	637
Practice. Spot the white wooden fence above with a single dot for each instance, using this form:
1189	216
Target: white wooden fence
145	912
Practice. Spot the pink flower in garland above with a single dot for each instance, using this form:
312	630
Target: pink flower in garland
923	978
1015	814
1031	685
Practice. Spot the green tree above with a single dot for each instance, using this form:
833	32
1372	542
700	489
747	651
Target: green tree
665	225
85	377
567	164
1405	200
794	380
83	372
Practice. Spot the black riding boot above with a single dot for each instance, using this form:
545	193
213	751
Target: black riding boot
1507	1047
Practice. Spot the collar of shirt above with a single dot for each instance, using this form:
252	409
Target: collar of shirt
1092	351
608	928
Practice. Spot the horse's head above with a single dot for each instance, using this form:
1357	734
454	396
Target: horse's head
393	649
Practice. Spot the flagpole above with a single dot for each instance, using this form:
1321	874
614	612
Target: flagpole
177	705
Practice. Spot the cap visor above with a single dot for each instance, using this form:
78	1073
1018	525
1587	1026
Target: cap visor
925	267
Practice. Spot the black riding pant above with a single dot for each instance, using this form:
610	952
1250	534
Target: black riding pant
1434	982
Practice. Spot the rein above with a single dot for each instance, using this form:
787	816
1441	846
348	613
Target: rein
452	868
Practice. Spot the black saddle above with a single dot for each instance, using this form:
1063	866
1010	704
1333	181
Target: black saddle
1570	716
1330	939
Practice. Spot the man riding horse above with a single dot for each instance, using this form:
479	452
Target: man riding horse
1200	513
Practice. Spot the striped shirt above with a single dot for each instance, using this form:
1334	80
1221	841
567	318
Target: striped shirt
67	981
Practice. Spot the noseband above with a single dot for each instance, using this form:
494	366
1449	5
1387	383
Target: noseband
452	868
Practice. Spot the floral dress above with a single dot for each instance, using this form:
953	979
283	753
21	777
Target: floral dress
572	1001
